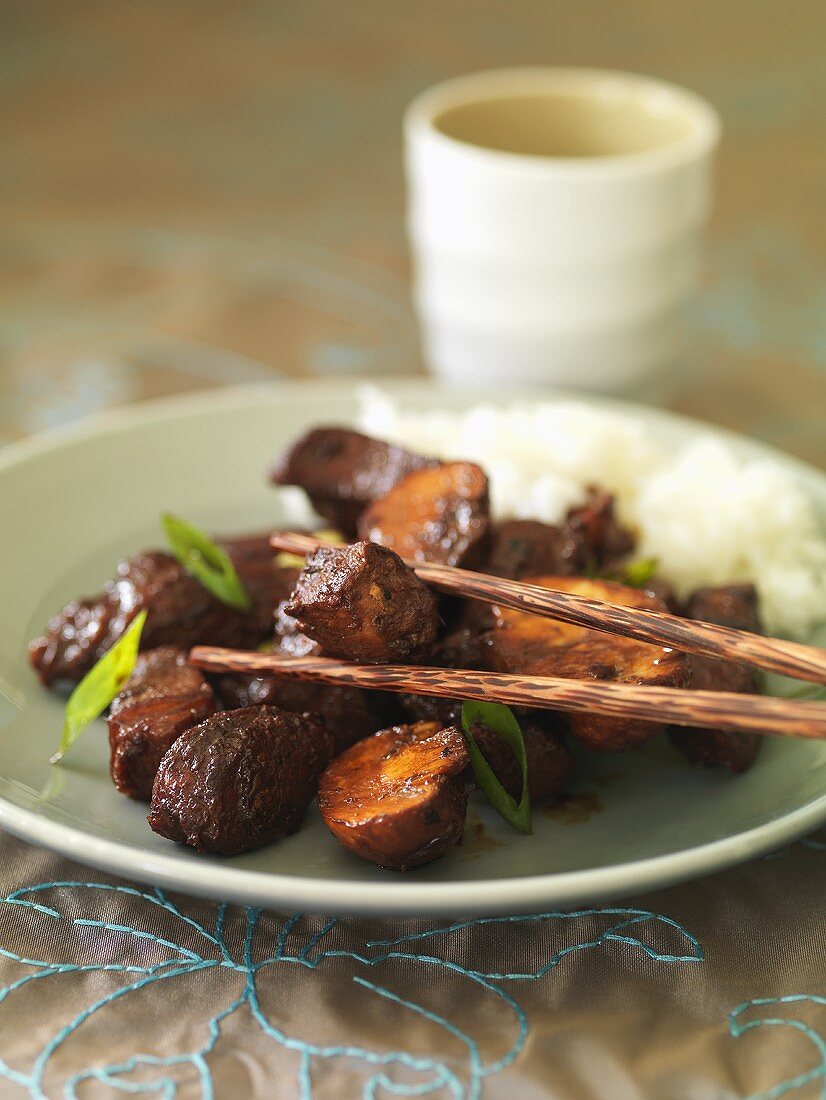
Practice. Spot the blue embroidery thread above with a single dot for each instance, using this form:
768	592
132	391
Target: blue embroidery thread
739	1028
432	1074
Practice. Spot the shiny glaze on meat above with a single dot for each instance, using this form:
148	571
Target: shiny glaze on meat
526	548
348	713
181	611
288	638
342	471
362	602
163	697
239	780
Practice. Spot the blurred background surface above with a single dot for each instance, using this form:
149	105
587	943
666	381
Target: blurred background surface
193	194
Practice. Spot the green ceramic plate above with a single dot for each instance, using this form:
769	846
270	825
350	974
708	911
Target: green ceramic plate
72	502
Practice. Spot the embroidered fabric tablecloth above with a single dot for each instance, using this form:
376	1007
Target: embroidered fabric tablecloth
199	194
709	990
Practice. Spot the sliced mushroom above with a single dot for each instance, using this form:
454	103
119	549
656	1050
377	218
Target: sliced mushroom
397	799
533	645
439	514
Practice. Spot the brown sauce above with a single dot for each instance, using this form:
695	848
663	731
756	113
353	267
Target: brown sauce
478	840
575	809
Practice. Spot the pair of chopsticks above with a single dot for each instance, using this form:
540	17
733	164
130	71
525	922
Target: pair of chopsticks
716	709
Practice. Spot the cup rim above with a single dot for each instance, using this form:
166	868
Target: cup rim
702	136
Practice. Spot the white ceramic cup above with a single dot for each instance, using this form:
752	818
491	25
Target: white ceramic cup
555	217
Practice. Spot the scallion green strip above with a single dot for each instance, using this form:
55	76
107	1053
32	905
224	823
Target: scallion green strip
634	574
206	561
501	721
100	685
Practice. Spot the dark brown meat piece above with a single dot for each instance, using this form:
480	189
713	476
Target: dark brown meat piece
436	515
525	548
661	590
182	612
163	697
239	780
607	539
735	606
347	713
397	799
74	639
550	761
521	548
531	645
711	748
342	471
362	602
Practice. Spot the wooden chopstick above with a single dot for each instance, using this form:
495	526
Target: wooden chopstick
803	662
715	709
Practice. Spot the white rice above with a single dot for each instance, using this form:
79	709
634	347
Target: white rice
710	516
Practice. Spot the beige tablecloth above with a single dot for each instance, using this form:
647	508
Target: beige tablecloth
200	193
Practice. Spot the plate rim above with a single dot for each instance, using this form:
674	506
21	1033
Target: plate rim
208	878
393	897
148	410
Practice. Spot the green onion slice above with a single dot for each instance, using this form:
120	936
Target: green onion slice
206	561
500	719
637	573
634	574
100	685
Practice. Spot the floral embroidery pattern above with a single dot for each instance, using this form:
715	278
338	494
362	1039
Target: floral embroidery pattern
254	968
773	1012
